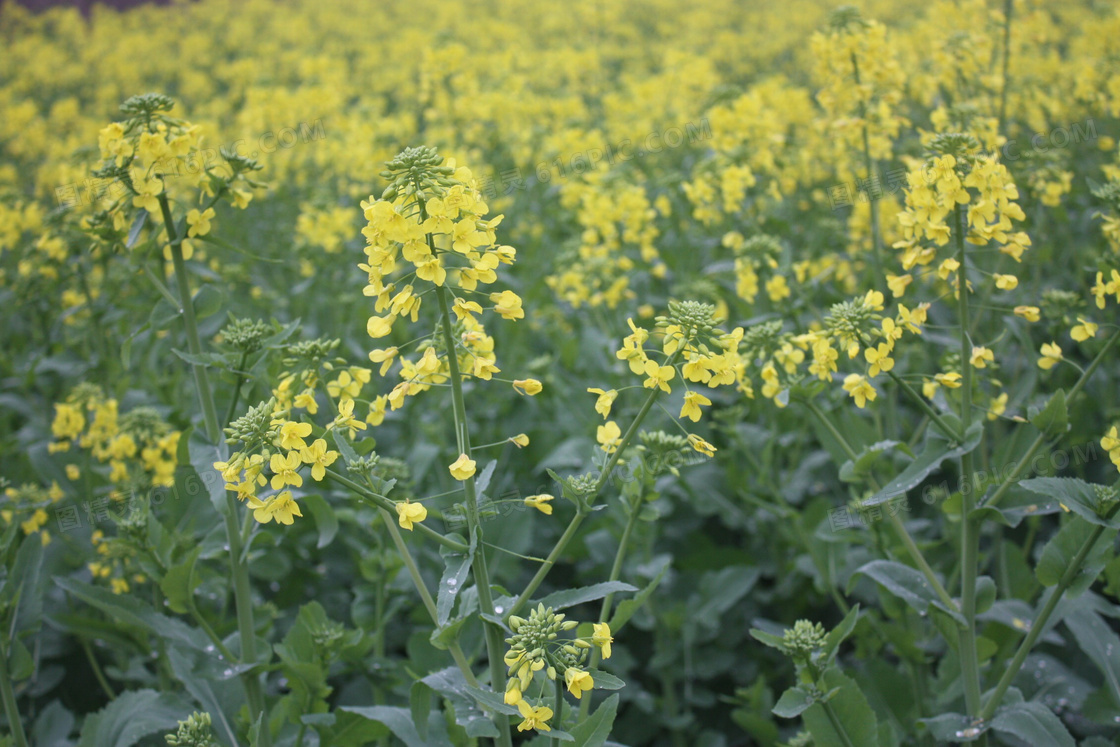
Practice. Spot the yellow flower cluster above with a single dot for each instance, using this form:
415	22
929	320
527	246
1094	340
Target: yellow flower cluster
138	446
28	506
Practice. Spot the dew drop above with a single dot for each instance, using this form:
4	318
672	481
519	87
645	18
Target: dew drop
227	673
499	610
209	649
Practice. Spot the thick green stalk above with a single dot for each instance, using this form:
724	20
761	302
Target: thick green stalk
11	710
239	569
1039	624
970	529
478	564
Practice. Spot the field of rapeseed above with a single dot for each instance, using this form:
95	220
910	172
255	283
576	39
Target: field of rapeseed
592	373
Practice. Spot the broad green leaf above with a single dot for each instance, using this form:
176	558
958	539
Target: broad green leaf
325	520
399	721
25	585
937	449
128	610
1033	723
560	600
858	469
594	731
176	583
1060	551
132	716
1053	419
793	703
218	698
906	583
457	566
852	711
1075	495
985	594
1100	644
468	714
769	639
838	634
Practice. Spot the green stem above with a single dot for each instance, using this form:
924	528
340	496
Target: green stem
970	529
186	307
11	710
573	525
1039	623
236	389
608	600
931	413
97	673
242	592
869	165
478	563
425	595
1001	491
380	501
912	548
558	714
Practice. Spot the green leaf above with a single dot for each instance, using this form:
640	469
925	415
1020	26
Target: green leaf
325	520
571	597
1053	419
203	456
137	226
838	634
1076	495
951	727
985	594
468	714
131	717
793	703
128	610
852	711
176	583
858	469
936	450
605	681
594	731
1033	723
769	639
207	301
457	566
202	359
1060	551
24	587
399	721
1099	643
420	704
906	583
627	607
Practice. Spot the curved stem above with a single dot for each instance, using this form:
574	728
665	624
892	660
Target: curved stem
837	725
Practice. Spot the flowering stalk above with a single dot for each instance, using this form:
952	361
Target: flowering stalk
573	525
478	563
239	569
970	529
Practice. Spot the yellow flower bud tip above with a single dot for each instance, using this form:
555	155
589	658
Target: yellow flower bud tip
527	386
540	502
